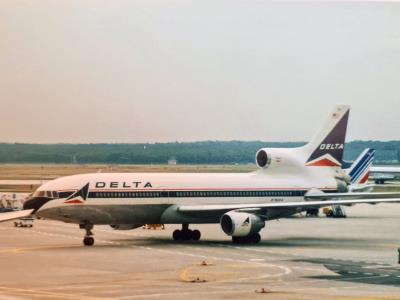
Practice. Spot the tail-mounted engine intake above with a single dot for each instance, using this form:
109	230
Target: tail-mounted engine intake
240	224
263	160
125	226
270	157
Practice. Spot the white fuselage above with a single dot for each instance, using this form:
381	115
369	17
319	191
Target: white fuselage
140	198
383	173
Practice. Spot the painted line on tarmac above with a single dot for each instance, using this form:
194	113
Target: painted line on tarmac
251	258
167	251
204	292
39	293
265	251
286	269
310	269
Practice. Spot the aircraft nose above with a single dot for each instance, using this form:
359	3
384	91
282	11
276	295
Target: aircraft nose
35	203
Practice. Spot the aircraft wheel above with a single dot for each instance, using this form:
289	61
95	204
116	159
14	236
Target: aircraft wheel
196	235
256	238
186	235
237	239
88	241
177	235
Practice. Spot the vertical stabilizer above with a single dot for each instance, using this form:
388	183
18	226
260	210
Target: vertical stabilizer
327	146
359	170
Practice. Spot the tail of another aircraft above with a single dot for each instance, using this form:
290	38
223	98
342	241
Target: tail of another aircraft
327	146
359	170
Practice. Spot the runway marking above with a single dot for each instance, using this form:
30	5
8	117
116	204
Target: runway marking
266	251
39	293
256	259
285	270
206	292
170	251
368	298
185	273
185	246
24	250
203	256
310	269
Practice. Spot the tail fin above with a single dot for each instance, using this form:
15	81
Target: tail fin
359	170
327	146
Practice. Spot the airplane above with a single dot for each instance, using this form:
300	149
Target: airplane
288	181
358	171
381	174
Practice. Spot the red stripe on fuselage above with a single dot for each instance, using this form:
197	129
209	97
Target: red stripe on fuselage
74	201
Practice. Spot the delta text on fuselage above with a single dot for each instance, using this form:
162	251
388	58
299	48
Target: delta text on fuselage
124	185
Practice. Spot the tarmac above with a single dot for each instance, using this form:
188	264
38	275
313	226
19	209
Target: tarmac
298	258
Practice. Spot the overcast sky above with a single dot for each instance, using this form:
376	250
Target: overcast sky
160	70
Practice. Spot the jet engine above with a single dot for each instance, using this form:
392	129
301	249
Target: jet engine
125	226
263	158
273	157
239	224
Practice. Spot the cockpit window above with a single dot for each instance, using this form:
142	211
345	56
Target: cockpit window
39	194
47	194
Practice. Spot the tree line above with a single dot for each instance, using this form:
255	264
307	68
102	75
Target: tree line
206	152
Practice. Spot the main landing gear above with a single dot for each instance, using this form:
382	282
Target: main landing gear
186	234
250	239
88	240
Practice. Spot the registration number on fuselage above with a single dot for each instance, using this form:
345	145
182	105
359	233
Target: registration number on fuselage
276	199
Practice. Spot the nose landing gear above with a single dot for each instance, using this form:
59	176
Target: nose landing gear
88	240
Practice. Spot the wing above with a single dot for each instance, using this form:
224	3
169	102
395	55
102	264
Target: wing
282	205
6	216
353	195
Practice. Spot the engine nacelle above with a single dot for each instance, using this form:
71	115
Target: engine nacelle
125	226
240	224
270	157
